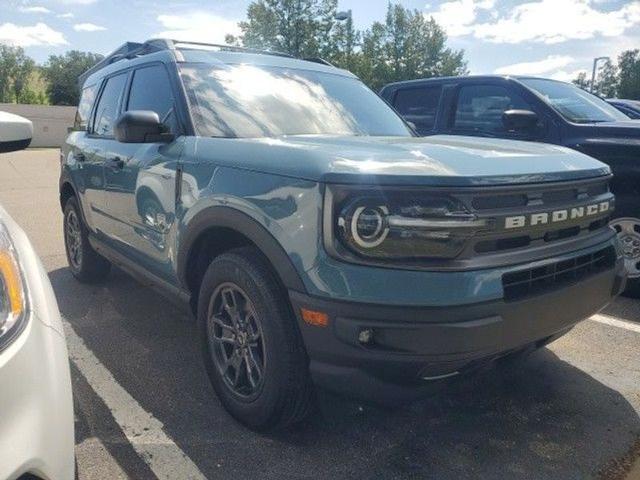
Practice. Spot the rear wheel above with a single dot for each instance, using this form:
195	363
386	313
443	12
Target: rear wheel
84	262
252	349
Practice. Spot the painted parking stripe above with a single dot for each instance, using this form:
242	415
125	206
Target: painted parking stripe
142	429
614	322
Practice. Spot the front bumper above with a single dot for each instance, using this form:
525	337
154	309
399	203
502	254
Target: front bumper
36	405
411	344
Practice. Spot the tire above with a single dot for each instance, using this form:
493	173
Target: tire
84	262
267	339
627	224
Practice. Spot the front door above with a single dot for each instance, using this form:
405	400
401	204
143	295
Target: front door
140	179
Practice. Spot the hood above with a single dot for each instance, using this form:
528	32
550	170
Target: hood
439	160
603	131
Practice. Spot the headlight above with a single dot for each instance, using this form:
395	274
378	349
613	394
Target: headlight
12	292
396	224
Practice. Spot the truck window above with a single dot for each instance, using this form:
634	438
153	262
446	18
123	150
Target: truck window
480	108
151	90
87	97
108	106
419	105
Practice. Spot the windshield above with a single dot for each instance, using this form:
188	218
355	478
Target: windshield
573	103
250	101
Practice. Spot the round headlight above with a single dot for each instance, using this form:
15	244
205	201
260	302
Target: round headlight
368	226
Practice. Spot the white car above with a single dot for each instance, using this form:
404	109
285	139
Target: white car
36	405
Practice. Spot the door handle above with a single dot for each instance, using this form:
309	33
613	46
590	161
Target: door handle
115	163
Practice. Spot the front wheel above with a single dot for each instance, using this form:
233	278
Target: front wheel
252	349
628	229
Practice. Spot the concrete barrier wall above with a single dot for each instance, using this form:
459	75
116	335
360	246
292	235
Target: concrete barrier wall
50	123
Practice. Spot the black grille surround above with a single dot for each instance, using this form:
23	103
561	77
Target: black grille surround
498	245
528	282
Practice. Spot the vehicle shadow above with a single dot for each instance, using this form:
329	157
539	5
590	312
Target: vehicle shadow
549	420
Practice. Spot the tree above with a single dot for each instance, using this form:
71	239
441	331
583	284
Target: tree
62	72
407	46
582	81
301	28
606	84
629	75
15	71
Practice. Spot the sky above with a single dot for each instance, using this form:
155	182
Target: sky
550	38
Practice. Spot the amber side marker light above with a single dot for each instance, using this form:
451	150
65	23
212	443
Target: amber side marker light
11	277
317	319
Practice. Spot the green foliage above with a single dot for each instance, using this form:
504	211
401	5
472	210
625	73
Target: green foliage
629	76
404	46
15	71
621	80
62	72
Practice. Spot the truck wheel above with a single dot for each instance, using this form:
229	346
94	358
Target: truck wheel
84	262
628	228
252	349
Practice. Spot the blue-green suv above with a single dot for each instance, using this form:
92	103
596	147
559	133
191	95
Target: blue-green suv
317	239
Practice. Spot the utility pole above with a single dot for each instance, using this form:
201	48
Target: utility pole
593	73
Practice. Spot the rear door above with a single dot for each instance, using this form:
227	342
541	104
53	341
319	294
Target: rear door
99	142
419	105
140	178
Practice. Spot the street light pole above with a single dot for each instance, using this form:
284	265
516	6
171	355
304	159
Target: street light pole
348	16
593	73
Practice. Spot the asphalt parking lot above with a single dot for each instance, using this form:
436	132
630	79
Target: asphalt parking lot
144	407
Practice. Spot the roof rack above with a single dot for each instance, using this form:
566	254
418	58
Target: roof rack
133	49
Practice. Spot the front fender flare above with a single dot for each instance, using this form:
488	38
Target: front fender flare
226	217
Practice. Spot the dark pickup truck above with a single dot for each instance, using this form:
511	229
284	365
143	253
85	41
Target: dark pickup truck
541	110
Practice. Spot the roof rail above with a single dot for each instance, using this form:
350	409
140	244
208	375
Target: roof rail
319	60
134	49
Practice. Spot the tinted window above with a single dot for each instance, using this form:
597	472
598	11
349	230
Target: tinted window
480	108
254	101
87	97
107	109
151	90
419	105
573	103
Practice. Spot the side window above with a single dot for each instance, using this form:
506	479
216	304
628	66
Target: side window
87	97
419	105
107	109
480	108
151	90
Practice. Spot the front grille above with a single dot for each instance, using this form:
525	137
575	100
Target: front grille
534	281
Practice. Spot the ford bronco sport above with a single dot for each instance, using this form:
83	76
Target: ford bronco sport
317	240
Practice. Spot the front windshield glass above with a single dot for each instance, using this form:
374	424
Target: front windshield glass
251	101
573	103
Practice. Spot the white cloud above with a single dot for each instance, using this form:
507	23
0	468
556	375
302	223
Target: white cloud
35	9
556	21
566	76
88	27
197	27
30	36
65	15
457	17
538	67
77	2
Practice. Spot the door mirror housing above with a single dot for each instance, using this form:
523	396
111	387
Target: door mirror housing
16	132
520	121
141	126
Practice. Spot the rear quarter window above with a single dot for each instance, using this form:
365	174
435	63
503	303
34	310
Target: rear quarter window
87	98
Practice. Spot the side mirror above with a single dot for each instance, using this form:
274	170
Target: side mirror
521	121
141	126
16	132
